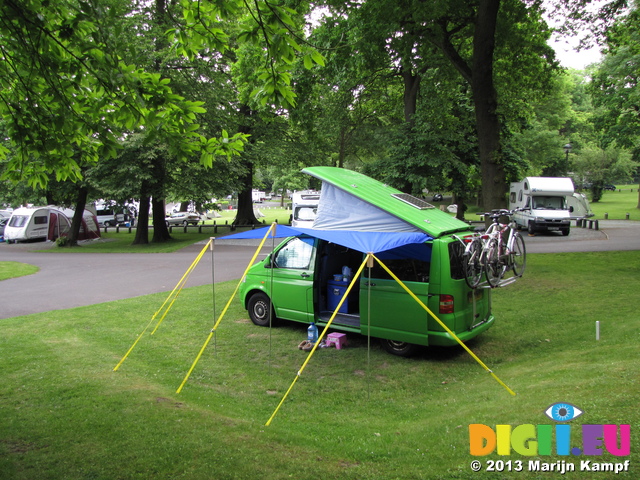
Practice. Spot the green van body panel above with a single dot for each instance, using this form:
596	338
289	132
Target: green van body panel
302	287
299	294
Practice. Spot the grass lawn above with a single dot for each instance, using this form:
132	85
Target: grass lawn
64	412
16	269
616	205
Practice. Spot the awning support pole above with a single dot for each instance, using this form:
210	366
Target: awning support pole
177	288
226	307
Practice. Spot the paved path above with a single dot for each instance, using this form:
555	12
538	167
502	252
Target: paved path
68	280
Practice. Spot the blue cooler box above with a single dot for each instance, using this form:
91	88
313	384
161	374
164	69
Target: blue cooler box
335	292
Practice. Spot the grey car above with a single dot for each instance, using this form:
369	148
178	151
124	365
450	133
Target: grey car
182	218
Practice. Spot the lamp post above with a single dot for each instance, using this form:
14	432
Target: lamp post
567	150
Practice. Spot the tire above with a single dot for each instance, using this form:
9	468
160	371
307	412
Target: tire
565	231
531	229
472	264
259	308
107	223
493	268
518	255
400	349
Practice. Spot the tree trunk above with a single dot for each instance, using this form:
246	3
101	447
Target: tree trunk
160	229
142	228
245	215
76	222
485	97
411	89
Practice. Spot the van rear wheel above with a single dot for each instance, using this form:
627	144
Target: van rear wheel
260	311
401	349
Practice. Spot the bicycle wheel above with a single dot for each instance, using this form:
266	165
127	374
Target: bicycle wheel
473	264
494	268
518	256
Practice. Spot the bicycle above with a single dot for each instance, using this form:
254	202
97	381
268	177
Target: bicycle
503	249
472	264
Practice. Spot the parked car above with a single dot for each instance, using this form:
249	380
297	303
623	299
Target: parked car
609	187
3	223
182	218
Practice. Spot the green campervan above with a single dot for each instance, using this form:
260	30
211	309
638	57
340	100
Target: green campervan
305	277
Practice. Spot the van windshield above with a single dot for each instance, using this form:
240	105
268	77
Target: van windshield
295	254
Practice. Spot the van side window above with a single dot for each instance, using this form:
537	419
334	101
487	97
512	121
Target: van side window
406	269
295	254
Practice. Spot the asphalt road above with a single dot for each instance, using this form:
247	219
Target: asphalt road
68	280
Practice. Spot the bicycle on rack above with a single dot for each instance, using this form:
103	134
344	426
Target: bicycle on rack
493	252
503	249
472	262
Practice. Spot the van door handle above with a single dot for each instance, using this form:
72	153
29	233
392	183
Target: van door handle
367	284
305	275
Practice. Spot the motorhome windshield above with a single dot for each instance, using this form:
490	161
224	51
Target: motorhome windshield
305	213
550	203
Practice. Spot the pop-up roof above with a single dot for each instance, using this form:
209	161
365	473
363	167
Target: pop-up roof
352	201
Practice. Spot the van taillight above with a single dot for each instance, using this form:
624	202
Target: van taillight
446	304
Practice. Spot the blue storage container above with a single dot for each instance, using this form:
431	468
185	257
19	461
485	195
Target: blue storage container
335	292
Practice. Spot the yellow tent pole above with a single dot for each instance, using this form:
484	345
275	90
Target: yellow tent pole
181	284
182	280
448	330
224	311
315	346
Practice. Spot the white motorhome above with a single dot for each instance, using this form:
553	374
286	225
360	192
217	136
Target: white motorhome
304	208
542	204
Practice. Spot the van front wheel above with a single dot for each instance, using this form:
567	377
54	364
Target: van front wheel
401	349
259	308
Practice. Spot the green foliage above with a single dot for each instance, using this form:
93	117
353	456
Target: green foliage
615	85
599	166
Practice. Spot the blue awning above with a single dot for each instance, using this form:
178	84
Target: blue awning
366	242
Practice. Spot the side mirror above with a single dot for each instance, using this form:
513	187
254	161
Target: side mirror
571	209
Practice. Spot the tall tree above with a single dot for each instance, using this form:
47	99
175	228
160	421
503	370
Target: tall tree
416	37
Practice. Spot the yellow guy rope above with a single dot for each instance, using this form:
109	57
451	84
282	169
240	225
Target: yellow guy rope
178	287
224	311
333	316
443	325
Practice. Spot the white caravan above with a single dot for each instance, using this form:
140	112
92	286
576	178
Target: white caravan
542	204
580	204
47	223
305	207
